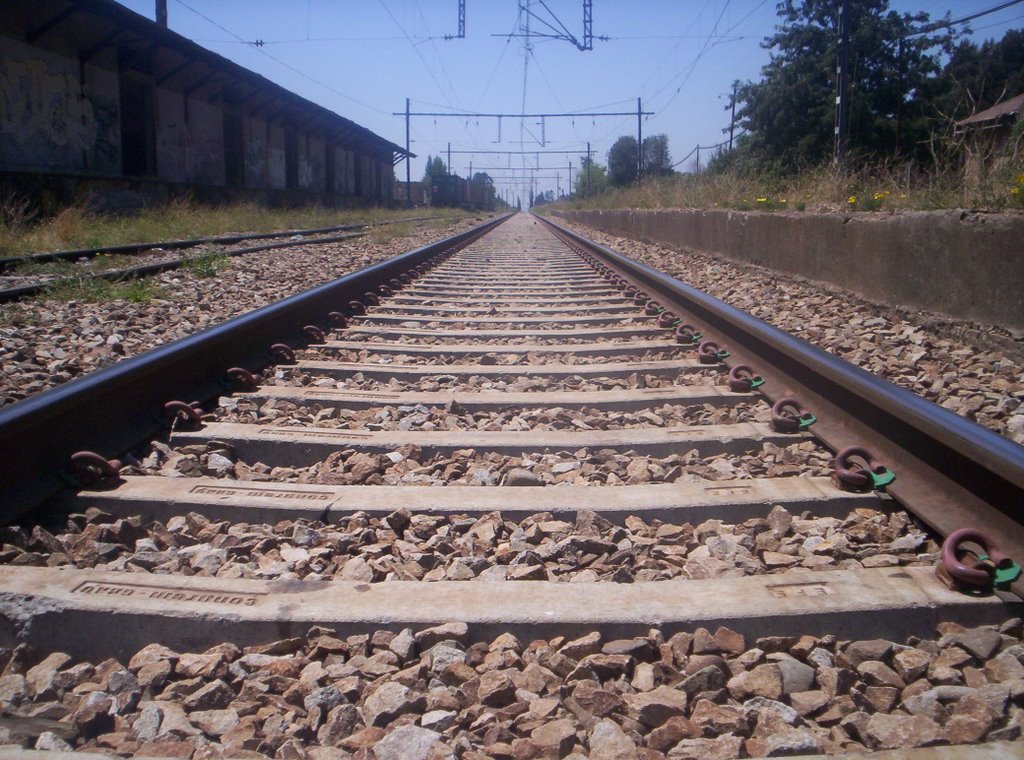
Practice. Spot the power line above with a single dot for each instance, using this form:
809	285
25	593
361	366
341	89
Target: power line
563	115
998	23
700	54
262	42
416	50
704	147
282	63
956	22
519	152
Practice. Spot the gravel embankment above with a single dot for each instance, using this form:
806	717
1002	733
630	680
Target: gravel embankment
436	694
44	343
943	360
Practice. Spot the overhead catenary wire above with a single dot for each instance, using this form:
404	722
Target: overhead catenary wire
419	54
706	147
963	20
288	66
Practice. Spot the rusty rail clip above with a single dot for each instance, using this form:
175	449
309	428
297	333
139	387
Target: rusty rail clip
282	354
237	377
789	417
854	476
188	414
687	335
88	467
743	380
971	561
710	352
668	319
313	334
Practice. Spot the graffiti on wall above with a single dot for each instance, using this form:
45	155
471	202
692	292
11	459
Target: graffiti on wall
44	114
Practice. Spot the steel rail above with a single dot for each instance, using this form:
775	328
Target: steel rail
111	410
951	472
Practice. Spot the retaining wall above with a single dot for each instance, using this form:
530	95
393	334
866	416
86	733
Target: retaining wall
964	264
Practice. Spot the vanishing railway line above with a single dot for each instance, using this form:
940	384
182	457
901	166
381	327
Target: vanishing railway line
520	496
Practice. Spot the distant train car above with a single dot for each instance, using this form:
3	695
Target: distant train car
453	190
418	191
448	190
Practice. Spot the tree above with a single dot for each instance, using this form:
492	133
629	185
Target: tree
790	113
591	179
622	161
977	77
656	158
483	184
435	168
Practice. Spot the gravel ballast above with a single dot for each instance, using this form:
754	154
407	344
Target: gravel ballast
436	694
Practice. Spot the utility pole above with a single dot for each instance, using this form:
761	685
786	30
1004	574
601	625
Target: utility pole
732	119
590	168
899	98
842	106
408	160
698	160
161	13
449	165
639	142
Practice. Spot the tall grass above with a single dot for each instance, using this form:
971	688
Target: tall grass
389	232
77	227
880	188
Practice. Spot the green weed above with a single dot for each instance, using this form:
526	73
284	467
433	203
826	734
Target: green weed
94	290
205	264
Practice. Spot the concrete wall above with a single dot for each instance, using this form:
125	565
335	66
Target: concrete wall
171	135
203	143
50	119
964	264
256	139
275	157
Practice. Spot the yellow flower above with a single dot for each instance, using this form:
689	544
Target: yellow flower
852	199
880	196
782	200
761	200
1016	191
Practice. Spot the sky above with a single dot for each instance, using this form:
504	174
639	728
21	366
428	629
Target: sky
363	58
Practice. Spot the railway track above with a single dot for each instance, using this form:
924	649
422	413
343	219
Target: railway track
524	497
32	274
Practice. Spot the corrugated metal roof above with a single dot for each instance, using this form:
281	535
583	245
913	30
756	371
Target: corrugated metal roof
1012	105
